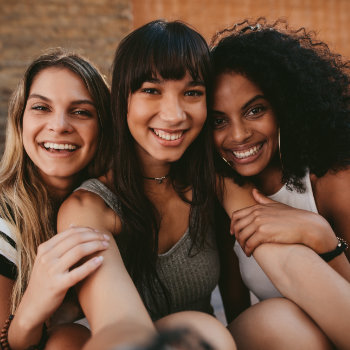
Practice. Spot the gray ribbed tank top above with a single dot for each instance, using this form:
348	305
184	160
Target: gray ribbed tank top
189	278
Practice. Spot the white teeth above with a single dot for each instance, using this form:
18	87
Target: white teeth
166	136
59	146
250	152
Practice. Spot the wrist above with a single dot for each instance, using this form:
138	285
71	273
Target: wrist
22	335
321	239
342	245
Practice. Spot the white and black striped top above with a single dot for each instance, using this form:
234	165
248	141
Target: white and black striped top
8	251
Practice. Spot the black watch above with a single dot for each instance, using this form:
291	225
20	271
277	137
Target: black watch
340	248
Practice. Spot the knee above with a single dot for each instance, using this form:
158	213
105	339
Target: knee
70	336
205	326
277	323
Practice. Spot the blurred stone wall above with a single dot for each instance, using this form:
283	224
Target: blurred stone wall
329	18
28	27
94	27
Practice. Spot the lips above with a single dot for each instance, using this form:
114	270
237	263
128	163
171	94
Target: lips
54	147
168	136
248	152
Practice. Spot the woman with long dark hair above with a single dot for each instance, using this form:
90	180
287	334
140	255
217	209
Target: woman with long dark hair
157	200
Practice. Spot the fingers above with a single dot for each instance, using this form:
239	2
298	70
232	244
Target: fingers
68	240
79	273
249	226
241	214
80	251
49	244
261	198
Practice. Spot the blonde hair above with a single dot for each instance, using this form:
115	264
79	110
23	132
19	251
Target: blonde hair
25	203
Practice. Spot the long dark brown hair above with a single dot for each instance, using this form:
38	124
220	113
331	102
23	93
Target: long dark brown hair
168	49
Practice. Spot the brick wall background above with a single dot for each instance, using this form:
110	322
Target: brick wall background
94	27
329	18
27	27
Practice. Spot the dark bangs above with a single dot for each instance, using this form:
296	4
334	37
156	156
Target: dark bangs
169	50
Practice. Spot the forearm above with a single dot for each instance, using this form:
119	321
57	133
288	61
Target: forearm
303	277
26	328
109	296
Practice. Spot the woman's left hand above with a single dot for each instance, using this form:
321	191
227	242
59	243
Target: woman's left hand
274	222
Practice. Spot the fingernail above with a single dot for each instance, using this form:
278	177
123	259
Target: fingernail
105	243
98	259
106	237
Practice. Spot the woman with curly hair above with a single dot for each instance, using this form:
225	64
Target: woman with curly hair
57	135
281	120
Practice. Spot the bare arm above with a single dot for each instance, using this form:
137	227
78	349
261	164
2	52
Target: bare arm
303	277
6	286
108	295
50	279
236	197
235	295
332	194
273	222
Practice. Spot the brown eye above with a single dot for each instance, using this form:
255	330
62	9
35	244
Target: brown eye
256	111
40	108
218	122
194	93
151	91
82	112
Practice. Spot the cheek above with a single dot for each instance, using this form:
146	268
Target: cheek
93	137
217	139
200	114
220	136
28	134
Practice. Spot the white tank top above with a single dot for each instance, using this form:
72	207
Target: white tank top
252	274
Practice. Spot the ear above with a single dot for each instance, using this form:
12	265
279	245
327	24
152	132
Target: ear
261	198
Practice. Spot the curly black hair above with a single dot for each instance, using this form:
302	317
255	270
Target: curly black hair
306	84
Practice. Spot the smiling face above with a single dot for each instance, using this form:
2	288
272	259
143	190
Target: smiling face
60	126
165	117
245	127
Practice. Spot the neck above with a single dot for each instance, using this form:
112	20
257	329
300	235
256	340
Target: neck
59	189
269	181
153	168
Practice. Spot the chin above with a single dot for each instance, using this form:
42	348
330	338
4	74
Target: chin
247	172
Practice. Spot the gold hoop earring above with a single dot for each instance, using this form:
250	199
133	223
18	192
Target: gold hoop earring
226	161
279	147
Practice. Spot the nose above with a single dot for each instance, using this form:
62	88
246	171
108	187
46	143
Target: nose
59	122
240	132
172	111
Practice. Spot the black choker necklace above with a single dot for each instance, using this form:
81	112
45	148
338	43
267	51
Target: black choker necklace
159	180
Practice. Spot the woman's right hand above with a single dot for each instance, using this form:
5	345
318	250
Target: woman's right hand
273	222
57	267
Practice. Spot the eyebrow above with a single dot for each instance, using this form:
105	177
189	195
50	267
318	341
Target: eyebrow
39	96
257	97
191	83
196	83
77	102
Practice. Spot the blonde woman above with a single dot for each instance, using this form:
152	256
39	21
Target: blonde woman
57	132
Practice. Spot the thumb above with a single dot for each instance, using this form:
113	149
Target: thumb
261	198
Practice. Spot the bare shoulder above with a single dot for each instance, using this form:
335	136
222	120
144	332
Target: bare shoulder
84	208
236	197
332	188
332	195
